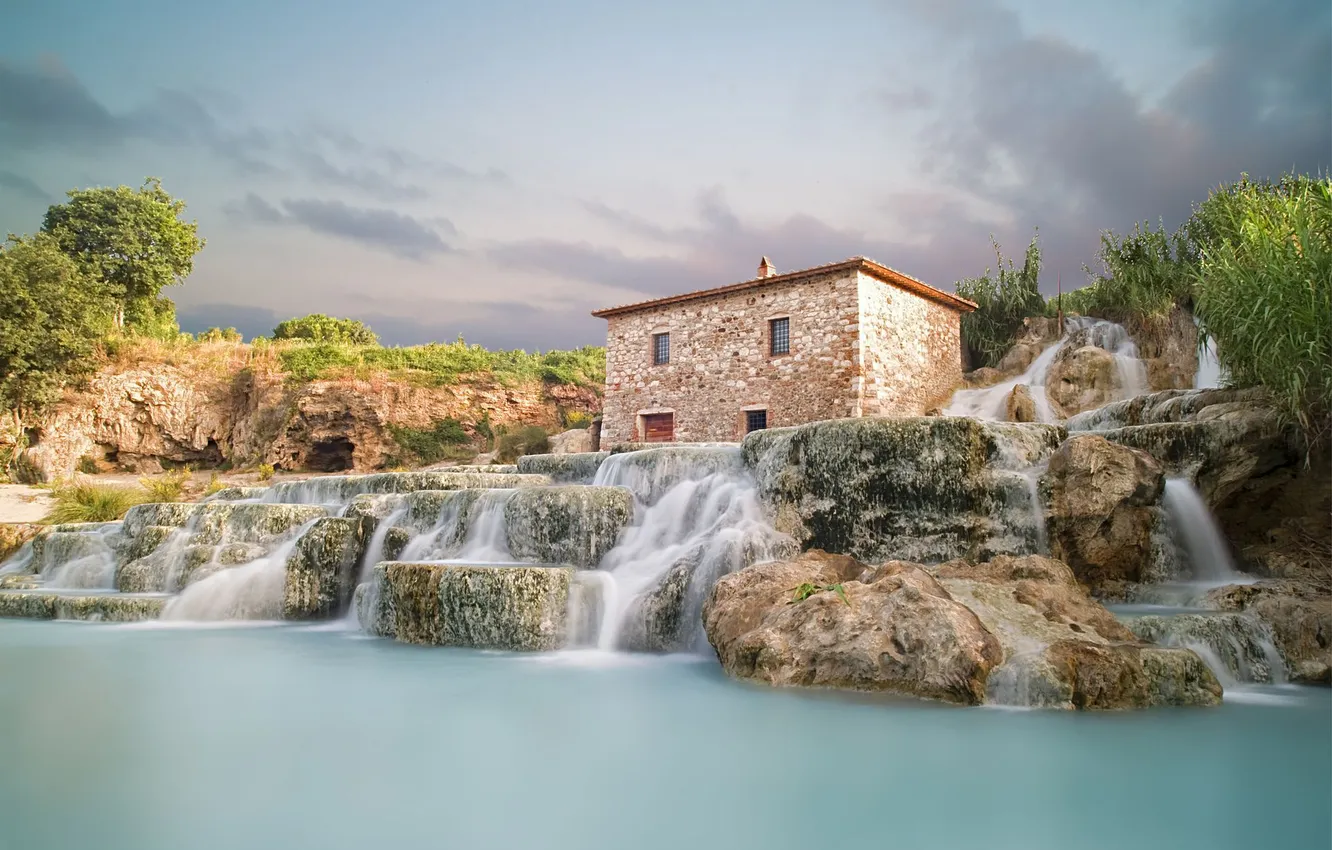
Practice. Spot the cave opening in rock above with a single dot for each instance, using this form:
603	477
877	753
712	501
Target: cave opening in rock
332	455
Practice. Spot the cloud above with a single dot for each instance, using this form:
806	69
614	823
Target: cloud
387	230
1045	132
23	186
45	106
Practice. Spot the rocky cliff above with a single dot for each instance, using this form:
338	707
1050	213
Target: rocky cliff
231	404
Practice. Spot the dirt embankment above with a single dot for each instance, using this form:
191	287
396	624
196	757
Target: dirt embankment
233	405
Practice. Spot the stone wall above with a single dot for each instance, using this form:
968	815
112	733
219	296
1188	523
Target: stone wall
720	363
911	351
859	346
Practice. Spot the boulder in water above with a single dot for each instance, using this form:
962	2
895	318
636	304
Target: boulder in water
1021	407
892	629
1101	516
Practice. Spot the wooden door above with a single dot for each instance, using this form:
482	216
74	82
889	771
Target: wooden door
659	427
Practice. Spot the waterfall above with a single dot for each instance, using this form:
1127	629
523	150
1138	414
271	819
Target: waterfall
252	591
1199	537
80	559
487	537
697	519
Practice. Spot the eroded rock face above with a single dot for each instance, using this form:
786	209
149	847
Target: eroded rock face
574	525
1063	649
147	415
487	607
897	630
1102	508
573	441
578	468
1021	407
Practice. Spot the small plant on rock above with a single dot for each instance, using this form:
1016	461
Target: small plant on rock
804	591
265	471
169	487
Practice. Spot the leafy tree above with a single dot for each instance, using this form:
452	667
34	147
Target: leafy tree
317	327
221	335
1002	302
49	327
130	242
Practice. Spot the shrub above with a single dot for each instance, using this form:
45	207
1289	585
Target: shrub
1264	290
215	485
528	440
576	419
1002	302
442	364
88	465
87	502
265	471
1144	274
444	440
221	335
167	488
317	327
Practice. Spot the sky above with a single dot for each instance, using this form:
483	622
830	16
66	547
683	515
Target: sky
498	170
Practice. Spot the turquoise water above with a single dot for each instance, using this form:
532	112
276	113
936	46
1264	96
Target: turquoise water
171	739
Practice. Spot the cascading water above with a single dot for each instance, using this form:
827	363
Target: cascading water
697	519
990	403
252	591
1200	539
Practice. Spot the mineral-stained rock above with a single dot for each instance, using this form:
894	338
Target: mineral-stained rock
566	525
1239	641
146	539
1061	647
1021	407
250	522
233	494
657	623
927	489
1300	617
1102	499
113	608
522	608
322	569
1082	378
564	468
894	628
162	514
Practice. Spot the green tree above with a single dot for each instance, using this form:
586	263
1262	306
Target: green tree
1002	302
317	327
49	327
130	242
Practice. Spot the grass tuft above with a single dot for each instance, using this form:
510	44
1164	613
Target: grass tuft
84	501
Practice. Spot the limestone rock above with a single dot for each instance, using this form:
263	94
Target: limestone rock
109	608
897	630
927	489
521	608
1239	641
1299	615
573	441
574	525
578	468
1063	649
322	569
1021	407
1101	508
13	535
1082	378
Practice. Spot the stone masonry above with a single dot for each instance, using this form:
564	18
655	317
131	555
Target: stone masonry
864	340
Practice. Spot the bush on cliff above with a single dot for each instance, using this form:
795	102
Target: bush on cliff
445	440
528	440
1145	273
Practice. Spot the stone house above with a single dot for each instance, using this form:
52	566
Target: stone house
854	338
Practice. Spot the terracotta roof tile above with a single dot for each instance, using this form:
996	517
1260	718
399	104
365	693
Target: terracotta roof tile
863	264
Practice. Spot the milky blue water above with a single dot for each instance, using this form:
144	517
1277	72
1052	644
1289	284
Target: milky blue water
125	738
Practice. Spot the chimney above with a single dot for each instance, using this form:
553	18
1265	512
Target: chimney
766	268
